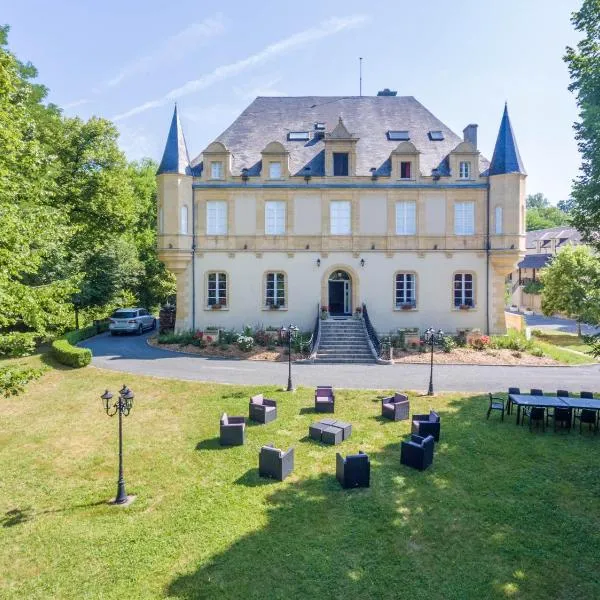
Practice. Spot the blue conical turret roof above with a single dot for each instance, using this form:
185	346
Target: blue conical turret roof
175	157
506	157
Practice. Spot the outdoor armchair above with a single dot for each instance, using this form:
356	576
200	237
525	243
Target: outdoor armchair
395	407
324	399
353	471
233	431
424	425
495	404
417	452
511	390
262	410
274	463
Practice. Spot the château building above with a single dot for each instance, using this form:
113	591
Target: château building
336	202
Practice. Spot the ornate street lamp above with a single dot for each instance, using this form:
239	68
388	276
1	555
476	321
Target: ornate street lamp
291	330
122	406
432	337
76	305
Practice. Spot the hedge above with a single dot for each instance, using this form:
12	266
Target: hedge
66	352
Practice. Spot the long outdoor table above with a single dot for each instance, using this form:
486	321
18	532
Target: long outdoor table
546	401
529	400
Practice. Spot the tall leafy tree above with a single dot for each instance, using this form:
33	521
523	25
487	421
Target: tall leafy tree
584	69
572	285
542	215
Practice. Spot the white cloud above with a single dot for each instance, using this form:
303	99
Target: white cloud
76	103
137	143
323	30
173	48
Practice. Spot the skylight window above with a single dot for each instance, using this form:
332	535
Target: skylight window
298	136
320	126
399	136
436	136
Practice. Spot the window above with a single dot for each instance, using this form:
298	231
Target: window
275	289
405	169
498	220
400	136
216	217
320	126
216	170
298	136
274	218
464	170
217	289
436	136
183	220
464	218
339	214
405	290
161	220
340	163
406	218
463	290
275	170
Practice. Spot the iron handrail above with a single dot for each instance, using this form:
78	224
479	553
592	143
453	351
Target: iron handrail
371	330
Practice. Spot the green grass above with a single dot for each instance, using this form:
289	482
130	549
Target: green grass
567	348
503	513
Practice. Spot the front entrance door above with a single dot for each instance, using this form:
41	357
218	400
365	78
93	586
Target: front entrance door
340	294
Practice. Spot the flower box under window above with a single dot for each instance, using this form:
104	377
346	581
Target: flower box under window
465	306
406	306
216	306
273	306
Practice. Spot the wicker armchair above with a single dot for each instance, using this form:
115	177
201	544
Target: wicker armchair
274	463
417	452
233	431
395	407
324	399
262	410
353	471
424	425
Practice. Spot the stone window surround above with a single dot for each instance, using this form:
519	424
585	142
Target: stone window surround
475	303
395	307
207	306
285	290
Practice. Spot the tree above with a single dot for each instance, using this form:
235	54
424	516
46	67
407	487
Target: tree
572	285
584	66
542	215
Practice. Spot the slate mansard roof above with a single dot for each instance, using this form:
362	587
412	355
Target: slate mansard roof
368	118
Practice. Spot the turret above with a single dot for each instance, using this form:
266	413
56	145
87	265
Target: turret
175	217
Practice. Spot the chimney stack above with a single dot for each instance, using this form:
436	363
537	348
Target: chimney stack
470	134
387	92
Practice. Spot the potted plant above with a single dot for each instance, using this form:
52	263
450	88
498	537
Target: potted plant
273	306
324	313
465	307
216	306
407	306
358	313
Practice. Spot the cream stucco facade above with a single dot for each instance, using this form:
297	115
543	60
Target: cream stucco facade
308	248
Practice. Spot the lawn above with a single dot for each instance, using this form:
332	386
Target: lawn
502	513
569	341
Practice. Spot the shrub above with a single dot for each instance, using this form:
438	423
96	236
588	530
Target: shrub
461	339
480	343
14	380
261	337
182	337
245	343
513	340
448	343
229	337
69	355
17	344
537	351
537	332
533	287
247	331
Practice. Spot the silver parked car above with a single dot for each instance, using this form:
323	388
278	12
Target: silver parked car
131	320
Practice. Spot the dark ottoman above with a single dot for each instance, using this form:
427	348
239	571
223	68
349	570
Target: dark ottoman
332	435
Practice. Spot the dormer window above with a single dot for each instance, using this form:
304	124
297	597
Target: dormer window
464	169
216	170
340	163
275	170
405	169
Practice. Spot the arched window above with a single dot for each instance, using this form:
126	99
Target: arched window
183	220
498	220
161	220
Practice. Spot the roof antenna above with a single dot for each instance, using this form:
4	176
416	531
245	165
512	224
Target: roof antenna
360	75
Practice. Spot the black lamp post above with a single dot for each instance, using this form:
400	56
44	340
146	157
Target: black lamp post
76	305
291	330
122	406
432	337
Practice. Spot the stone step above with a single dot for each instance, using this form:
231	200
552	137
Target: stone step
338	361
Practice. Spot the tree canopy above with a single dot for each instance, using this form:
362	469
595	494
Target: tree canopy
584	68
542	215
75	216
572	285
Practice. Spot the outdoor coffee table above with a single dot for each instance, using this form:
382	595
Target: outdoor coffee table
330	431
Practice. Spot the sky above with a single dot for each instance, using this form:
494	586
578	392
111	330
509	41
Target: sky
131	61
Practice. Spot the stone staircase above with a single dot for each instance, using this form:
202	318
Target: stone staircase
344	341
